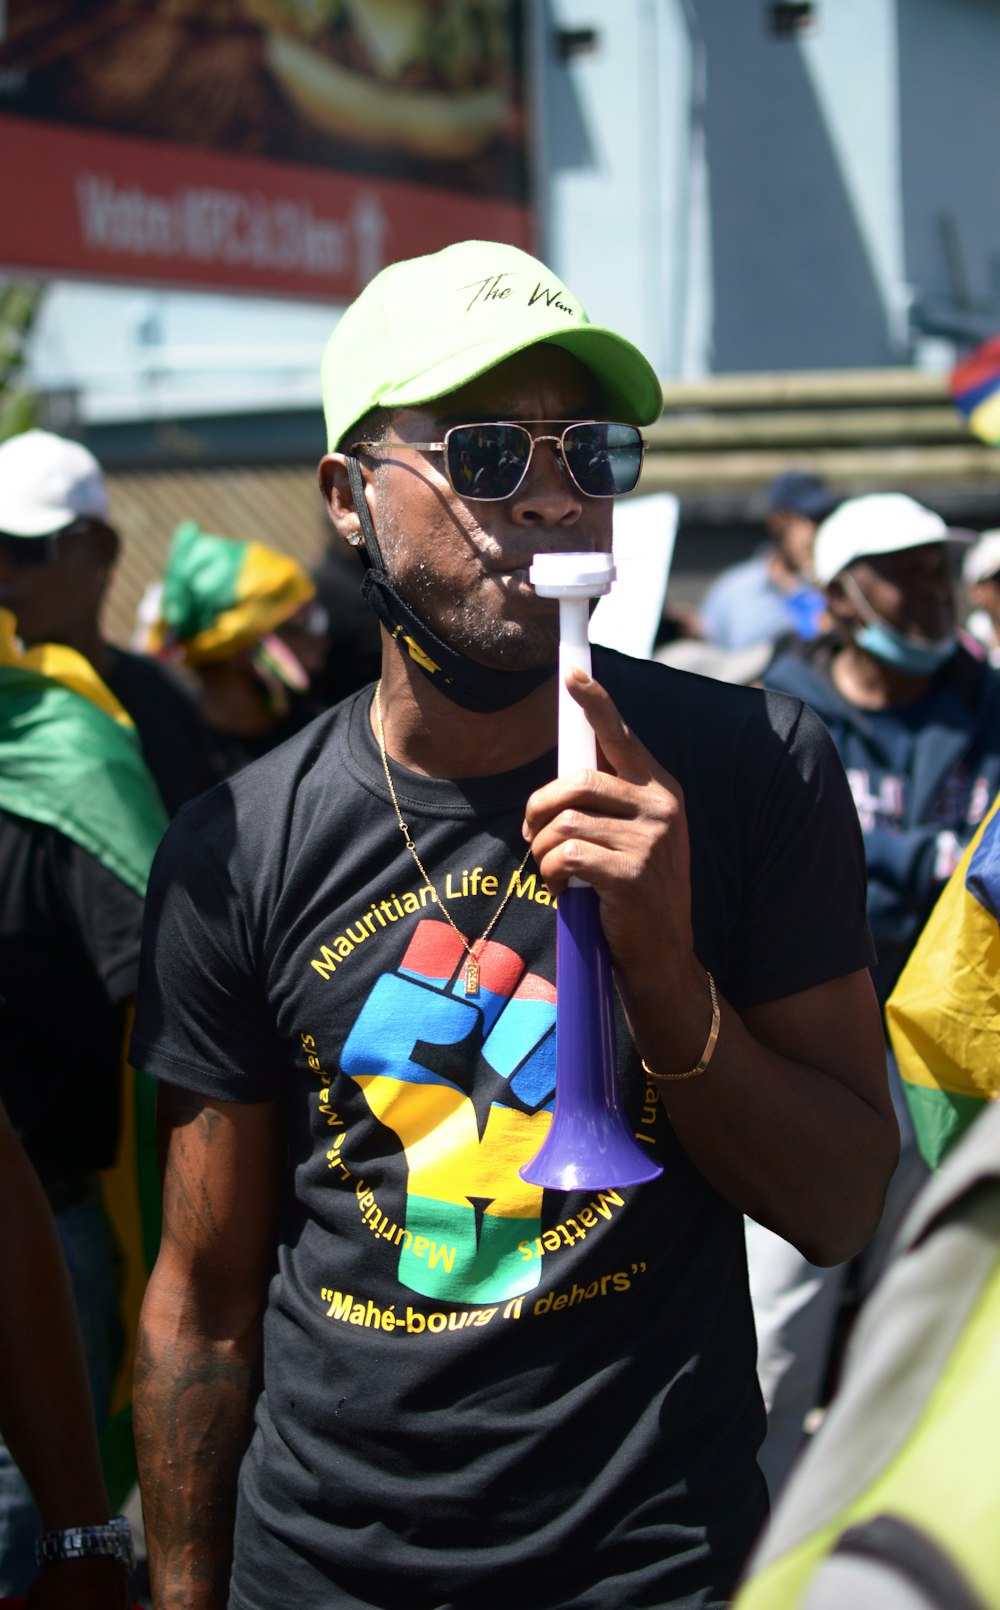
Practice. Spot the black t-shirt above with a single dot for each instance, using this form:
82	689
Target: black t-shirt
69	954
477	1393
174	739
229	752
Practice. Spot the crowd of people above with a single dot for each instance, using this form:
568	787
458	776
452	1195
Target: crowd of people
297	870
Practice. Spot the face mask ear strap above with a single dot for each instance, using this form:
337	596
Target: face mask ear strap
475	687
852	588
371	555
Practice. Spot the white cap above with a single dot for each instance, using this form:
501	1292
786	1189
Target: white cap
983	559
47	482
879	522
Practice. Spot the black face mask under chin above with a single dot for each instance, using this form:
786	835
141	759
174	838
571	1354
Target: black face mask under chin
464	681
473	686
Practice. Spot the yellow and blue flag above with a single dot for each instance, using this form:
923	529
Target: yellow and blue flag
975	390
944	1013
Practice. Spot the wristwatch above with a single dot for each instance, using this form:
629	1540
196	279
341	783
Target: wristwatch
113	1538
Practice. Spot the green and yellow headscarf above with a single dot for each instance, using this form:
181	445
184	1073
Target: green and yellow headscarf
223	594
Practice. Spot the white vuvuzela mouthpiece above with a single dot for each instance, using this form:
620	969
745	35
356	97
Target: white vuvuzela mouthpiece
572	575
573	578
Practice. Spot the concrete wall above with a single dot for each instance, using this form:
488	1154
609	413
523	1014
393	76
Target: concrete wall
949	52
737	201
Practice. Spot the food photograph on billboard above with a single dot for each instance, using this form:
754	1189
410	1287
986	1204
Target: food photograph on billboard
285	146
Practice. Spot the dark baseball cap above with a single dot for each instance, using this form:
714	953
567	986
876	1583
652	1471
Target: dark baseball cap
801	494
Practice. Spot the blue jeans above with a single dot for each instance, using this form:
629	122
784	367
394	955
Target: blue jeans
94	1262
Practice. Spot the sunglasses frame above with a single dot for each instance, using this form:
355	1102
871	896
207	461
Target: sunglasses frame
533	441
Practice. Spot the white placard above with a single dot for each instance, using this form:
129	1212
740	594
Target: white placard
627	618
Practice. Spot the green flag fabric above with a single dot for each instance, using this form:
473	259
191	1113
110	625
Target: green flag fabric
70	758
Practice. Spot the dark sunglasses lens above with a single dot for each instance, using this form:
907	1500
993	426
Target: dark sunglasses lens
604	460
25	551
487	461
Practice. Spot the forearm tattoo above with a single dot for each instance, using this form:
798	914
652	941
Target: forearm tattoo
196	1380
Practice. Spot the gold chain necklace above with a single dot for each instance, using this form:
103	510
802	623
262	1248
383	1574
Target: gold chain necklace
472	965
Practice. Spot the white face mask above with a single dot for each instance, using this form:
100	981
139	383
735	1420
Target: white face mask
914	656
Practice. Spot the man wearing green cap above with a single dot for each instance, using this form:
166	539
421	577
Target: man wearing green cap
378	1367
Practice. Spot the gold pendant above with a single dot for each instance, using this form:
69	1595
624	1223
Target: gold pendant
472	977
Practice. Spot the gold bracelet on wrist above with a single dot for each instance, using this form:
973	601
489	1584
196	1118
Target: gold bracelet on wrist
706	1055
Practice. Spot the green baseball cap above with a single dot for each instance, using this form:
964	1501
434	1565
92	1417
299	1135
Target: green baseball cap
427	325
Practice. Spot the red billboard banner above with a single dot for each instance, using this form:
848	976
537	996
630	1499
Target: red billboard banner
287	147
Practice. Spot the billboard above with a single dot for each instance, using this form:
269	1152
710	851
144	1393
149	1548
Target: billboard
287	147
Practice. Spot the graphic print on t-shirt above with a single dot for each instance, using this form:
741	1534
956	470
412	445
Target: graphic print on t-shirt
467	1085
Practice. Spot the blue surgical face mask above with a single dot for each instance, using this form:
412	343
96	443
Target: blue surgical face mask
914	656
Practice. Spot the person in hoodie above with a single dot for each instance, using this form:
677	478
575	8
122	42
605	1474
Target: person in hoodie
915	717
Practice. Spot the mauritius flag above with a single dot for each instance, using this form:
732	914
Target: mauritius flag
70	759
944	1013
975	390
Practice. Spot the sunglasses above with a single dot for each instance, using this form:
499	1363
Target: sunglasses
28	551
487	463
